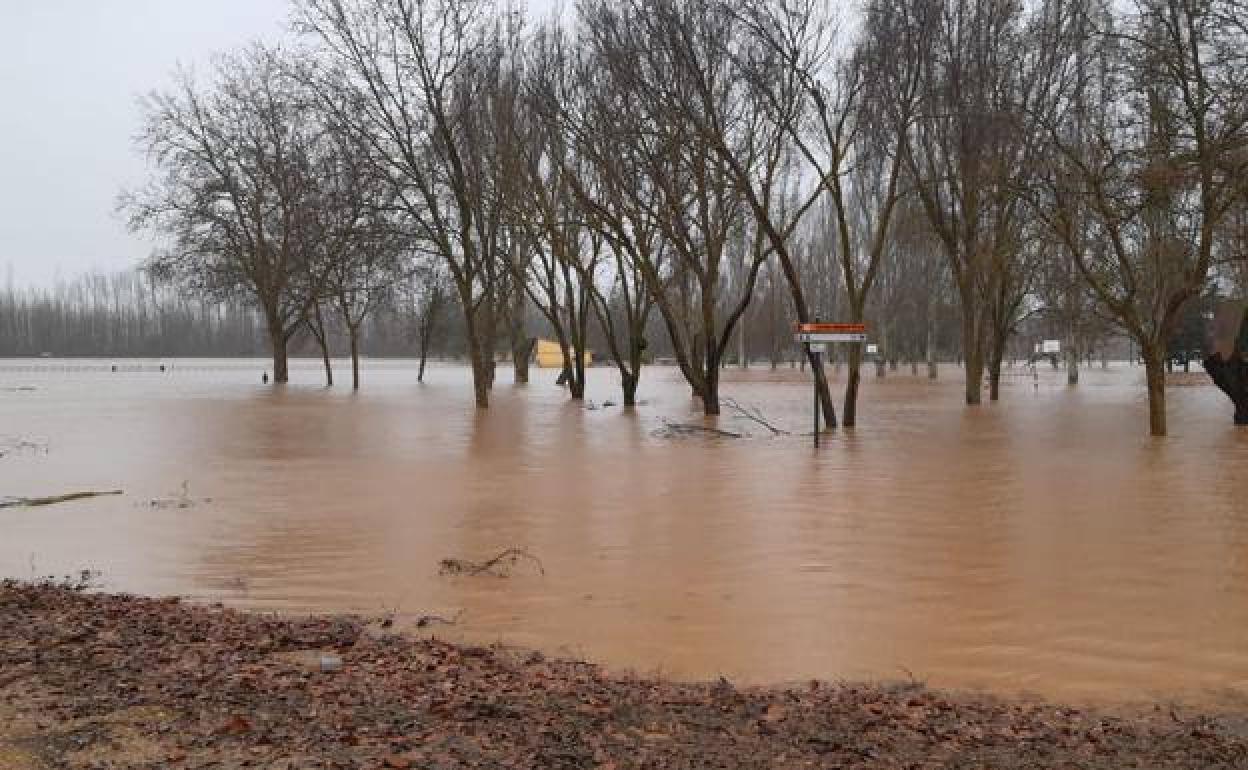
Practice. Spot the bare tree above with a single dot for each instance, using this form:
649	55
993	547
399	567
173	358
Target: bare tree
966	154
614	200
414	71
688	190
423	292
560	252
847	118
235	194
741	92
1142	184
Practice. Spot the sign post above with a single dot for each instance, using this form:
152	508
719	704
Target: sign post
816	362
816	336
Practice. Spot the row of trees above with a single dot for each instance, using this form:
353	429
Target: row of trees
120	315
679	159
129	314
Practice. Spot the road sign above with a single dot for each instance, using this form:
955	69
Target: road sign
831	327
816	336
809	337
818	332
1051	346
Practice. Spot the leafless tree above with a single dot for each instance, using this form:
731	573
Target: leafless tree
686	189
234	193
415	71
847	117
1148	173
966	153
561	252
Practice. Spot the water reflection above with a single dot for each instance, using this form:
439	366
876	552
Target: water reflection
1042	543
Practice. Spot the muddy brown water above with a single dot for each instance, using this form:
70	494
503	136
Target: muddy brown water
1043	544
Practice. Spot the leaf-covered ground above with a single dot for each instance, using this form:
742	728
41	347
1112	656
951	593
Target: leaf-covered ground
99	680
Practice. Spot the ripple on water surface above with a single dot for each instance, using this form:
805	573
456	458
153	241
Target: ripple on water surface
1043	543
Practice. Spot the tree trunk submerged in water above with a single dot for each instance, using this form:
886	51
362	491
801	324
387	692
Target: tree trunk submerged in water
628	384
482	377
521	355
710	388
355	358
849	412
281	371
1155	376
973	361
822	391
1231	376
996	356
329	368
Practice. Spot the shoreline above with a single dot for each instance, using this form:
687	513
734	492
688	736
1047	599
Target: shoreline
112	680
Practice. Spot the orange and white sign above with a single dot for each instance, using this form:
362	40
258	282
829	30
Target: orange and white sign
820	332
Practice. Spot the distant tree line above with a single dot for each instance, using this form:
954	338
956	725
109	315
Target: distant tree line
121	315
128	314
949	171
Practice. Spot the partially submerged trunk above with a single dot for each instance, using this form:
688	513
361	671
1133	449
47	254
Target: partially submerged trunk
823	391
930	354
355	356
428	321
316	324
1155	376
479	358
329	368
521	343
850	414
521	355
278	339
573	375
996	356
628	384
1231	376
974	357
710	387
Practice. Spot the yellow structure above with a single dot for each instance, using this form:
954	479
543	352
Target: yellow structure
549	356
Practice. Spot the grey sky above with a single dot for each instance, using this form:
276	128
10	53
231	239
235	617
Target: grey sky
71	72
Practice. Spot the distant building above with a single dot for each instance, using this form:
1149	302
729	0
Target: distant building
549	356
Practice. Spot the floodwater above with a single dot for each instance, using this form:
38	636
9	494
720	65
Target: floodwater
1043	544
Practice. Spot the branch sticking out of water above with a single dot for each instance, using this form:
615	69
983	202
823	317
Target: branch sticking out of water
754	414
182	499
498	566
673	429
30	502
424	621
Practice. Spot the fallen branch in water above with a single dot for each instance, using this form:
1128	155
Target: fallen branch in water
755	415
182	500
424	621
30	502
507	558
687	429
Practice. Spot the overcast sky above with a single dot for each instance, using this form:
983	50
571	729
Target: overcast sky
70	74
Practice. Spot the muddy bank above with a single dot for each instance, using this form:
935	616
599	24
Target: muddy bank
97	680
